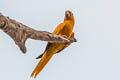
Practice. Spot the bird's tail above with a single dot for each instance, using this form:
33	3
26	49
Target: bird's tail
44	60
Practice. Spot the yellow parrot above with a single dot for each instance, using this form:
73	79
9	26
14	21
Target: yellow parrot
64	29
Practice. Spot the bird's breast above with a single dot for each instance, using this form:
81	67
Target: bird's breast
67	30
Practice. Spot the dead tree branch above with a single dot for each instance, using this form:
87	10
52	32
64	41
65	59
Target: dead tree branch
20	33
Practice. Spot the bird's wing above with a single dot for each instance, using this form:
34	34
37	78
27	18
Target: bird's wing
66	45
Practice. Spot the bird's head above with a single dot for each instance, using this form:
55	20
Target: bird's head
68	15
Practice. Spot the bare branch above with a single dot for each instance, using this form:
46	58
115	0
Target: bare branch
20	33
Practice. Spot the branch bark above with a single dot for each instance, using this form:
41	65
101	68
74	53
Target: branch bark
20	33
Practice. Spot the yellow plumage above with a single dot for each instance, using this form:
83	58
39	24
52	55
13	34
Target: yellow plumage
63	29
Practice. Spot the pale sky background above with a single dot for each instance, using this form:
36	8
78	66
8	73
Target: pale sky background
96	55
